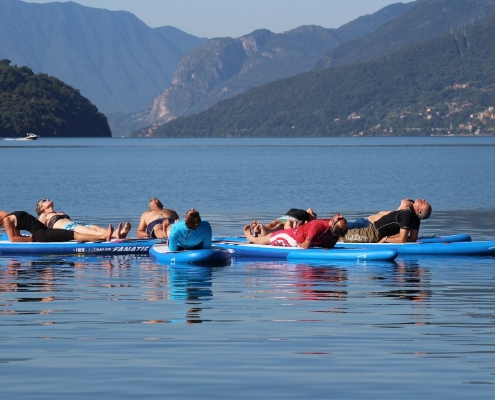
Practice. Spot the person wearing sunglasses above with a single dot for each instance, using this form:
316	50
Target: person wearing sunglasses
398	226
155	222
316	233
18	221
60	220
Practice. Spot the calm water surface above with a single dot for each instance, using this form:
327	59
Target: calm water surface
78	328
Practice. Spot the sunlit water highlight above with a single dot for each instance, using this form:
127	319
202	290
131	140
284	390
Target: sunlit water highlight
127	327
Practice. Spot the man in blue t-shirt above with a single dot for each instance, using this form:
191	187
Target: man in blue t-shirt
190	233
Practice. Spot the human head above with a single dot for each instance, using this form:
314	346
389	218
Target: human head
40	206
155	203
192	219
422	208
339	227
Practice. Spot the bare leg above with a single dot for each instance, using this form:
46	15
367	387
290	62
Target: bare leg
105	236
257	240
273	226
159	231
262	229
125	231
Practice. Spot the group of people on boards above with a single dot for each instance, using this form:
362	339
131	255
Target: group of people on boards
296	228
157	222
302	228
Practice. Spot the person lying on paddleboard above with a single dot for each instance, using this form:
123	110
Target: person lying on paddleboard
315	233
17	221
154	222
191	233
290	219
398	226
367	221
60	220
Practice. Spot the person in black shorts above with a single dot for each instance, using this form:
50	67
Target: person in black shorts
398	226
290	219
17	221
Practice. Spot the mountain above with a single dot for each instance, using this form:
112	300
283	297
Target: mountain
116	60
426	19
225	67
444	85
45	106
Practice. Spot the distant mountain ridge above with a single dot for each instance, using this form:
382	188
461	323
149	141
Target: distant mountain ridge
426	19
116	60
225	67
441	85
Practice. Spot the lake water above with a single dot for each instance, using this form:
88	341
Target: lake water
127	327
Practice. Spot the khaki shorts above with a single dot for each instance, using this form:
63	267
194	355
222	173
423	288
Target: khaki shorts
363	235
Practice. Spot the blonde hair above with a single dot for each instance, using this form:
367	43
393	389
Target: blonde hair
38	206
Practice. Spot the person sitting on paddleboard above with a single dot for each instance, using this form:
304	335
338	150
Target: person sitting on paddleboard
190	233
154	222
290	219
60	220
316	233
17	221
398	226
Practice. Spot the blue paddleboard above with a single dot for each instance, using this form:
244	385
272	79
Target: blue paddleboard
240	249
461	237
201	256
117	246
485	248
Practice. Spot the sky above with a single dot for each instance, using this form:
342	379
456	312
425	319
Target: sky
234	18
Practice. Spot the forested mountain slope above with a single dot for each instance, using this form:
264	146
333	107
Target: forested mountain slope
442	85
225	67
45	106
425	20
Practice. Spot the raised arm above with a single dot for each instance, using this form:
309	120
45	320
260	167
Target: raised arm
403	236
141	229
12	231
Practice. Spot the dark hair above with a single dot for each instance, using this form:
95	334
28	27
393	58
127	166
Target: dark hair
338	230
192	220
158	202
425	212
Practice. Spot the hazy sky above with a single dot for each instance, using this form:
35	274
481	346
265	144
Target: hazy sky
234	18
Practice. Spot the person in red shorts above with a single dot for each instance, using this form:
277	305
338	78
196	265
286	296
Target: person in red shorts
316	233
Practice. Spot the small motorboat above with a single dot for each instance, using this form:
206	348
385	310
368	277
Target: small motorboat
29	136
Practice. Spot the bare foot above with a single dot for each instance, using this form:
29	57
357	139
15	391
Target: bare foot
108	233
127	228
247	232
116	233
262	229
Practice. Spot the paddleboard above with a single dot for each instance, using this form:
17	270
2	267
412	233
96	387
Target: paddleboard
461	237
481	248
239	249
201	256
117	246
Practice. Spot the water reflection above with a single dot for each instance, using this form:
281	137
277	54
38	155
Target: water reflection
191	284
303	281
407	280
